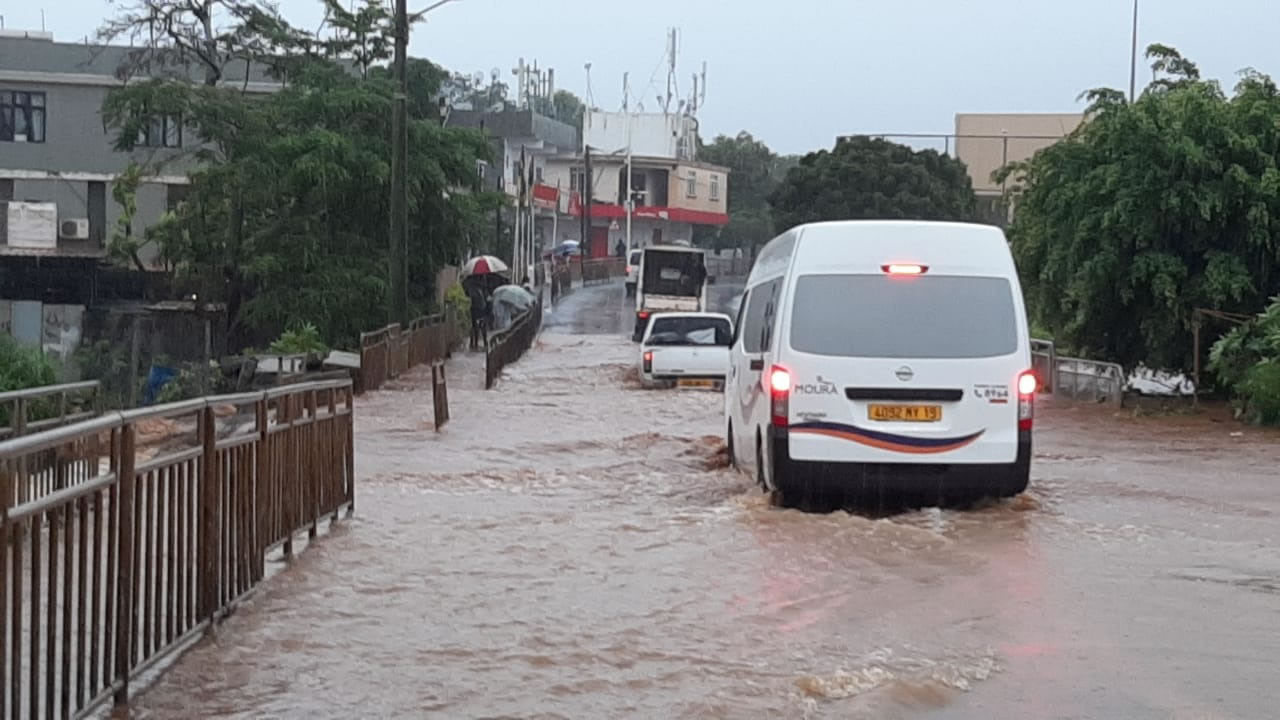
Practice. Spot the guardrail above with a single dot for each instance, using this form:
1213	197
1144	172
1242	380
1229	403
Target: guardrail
41	408
1092	380
1044	358
1077	378
104	578
387	352
602	270
561	282
507	346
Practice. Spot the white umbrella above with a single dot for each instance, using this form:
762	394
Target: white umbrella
483	265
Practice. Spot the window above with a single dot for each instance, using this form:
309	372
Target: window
692	189
577	180
690	331
757	330
887	317
537	174
738	316
22	116
161	131
715	187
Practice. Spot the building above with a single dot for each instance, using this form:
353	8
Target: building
58	167
520	139
672	192
986	142
55	149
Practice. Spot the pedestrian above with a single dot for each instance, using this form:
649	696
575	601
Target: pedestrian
479	314
620	249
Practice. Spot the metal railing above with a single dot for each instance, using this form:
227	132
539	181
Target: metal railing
165	533
602	270
1091	380
1044	358
41	408
509	345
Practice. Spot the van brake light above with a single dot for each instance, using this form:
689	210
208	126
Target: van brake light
648	361
904	269
1027	386
779	396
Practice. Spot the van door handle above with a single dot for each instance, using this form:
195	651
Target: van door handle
757	364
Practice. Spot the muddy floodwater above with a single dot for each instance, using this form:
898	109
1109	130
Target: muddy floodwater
572	546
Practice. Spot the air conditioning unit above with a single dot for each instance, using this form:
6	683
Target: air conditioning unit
74	229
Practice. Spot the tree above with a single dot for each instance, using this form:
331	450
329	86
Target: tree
754	173
869	178
285	219
1151	210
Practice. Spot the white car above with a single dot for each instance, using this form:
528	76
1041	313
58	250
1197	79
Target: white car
883	357
633	271
686	350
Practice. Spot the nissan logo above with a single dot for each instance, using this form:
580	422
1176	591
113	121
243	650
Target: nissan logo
904	373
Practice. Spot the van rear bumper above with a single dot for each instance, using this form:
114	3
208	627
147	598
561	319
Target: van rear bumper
922	479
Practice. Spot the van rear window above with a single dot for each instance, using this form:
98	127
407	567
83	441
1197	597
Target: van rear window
934	316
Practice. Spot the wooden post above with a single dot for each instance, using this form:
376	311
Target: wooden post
262	490
1195	331
350	452
210	547
126	615
310	480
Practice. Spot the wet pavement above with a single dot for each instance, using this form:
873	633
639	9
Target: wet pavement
571	546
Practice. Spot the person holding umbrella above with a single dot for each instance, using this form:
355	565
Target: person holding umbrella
480	275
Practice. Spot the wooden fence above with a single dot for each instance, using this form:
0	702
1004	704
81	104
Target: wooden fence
29	411
507	346
389	351
107	575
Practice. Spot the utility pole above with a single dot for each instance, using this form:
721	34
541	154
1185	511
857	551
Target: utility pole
587	200
398	287
1133	58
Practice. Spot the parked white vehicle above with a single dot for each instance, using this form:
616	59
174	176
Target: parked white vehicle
671	278
883	357
633	271
686	350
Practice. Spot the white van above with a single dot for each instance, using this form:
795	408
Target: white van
875	357
671	279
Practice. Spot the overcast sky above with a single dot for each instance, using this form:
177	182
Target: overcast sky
797	73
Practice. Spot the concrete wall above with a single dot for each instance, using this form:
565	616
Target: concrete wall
72	199
57	329
75	139
1026	134
652	134
703	181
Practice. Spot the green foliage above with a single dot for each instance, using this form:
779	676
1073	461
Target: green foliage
109	365
286	219
1246	361
457	308
871	178
193	380
1151	210
24	367
754	173
302	340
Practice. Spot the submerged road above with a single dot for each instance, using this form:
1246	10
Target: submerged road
572	547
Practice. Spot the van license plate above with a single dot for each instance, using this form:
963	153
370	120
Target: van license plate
905	413
696	383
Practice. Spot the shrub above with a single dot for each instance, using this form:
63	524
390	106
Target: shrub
457	310
304	340
24	367
1246	362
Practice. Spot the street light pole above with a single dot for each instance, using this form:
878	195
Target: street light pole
398	285
1133	58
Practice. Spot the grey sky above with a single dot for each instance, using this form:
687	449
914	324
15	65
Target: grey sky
796	73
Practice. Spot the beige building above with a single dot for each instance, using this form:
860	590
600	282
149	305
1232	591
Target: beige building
985	142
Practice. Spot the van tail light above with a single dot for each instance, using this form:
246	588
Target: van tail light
648	361
904	269
1027	386
779	396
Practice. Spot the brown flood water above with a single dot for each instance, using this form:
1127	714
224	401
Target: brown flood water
571	547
